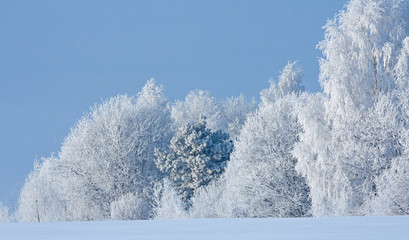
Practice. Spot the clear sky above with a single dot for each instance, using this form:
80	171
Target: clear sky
58	58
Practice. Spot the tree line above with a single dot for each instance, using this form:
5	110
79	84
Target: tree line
343	151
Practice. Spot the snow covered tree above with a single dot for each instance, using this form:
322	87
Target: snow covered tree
401	93
108	154
342	176
40	198
227	115
401	70
167	202
376	143
261	180
261	177
360	49
392	190
392	185
316	168
290	79
349	133
209	202
129	207
198	103
235	111
196	157
5	215
289	82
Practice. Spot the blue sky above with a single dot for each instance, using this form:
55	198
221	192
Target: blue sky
58	58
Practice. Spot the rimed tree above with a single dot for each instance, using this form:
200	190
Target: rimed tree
346	142
108	155
261	180
41	199
226	115
5	215
167	203
196	157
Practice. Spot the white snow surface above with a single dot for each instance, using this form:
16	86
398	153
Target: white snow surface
392	227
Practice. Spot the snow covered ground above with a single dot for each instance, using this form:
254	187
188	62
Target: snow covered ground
373	228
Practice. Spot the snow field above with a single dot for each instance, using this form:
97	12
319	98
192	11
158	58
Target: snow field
373	228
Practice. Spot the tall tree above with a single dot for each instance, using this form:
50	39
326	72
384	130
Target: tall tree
358	76
359	55
392	184
261	180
